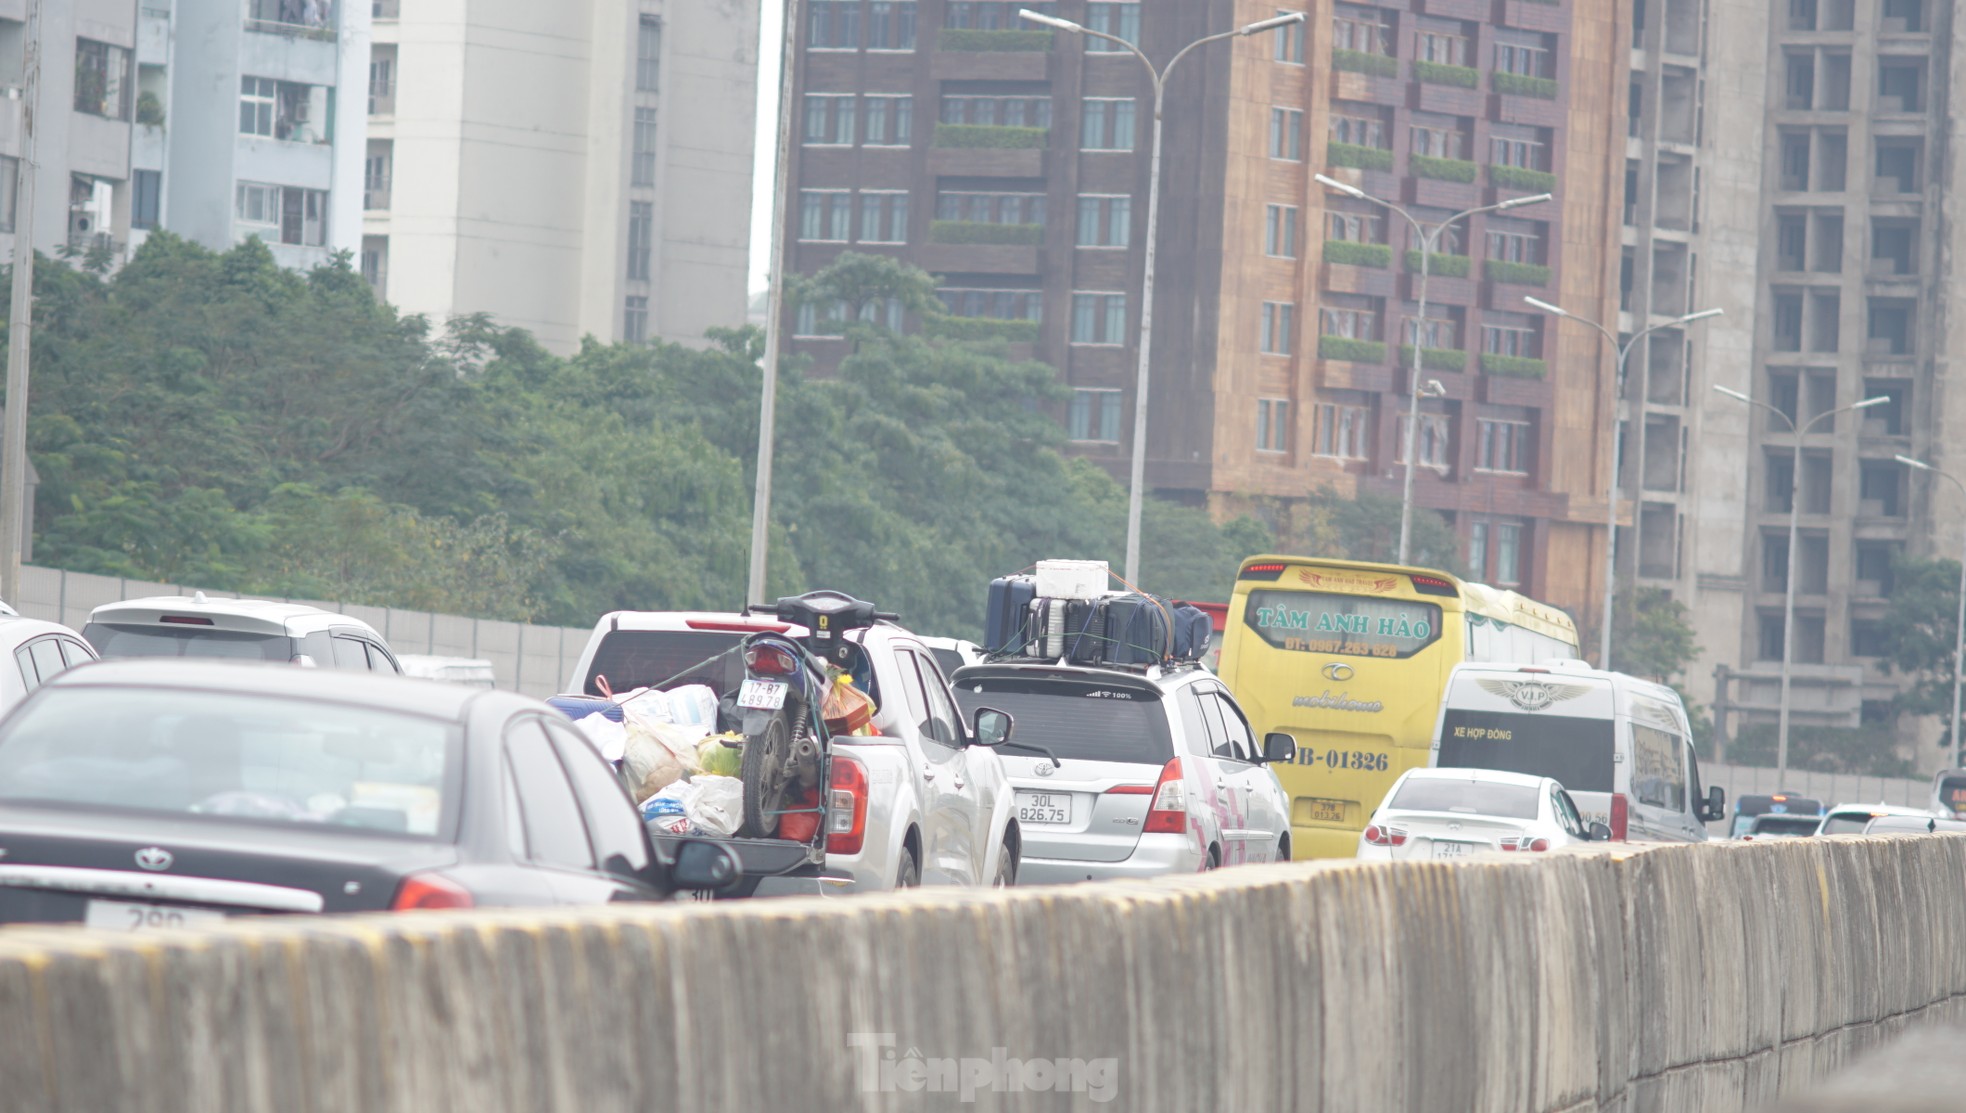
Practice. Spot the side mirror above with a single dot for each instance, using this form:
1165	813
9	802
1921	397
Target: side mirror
1600	833
1279	748
1716	803
992	727
704	865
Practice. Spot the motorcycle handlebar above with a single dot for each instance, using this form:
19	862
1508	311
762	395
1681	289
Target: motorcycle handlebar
887	616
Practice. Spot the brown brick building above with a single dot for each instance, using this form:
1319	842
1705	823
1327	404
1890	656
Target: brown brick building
1013	165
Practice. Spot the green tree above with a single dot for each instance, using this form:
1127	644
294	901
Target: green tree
1656	640
1366	527
1921	631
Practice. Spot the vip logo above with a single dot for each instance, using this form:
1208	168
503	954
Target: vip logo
1533	695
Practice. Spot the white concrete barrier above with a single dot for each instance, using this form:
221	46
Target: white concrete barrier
1707	978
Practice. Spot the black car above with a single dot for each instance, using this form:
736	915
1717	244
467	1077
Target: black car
158	793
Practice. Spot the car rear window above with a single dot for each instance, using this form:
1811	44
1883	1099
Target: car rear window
1952	794
1847	823
232	755
949	659
1083	720
1437	794
631	659
112	640
1786	824
1576	752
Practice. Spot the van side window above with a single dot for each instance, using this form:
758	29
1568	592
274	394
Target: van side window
1699	798
1658	768
348	654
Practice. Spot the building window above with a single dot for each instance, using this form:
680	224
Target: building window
825	215
1107	125
1342	432
1510	340
1290	41
1099	319
1365	30
643	172
377	170
1511	246
1478	551
1287	134
1272	425
1361	131
1434	430
1439	142
1502	446
1441	47
635	319
1347	322
382	81
648	55
298	216
9	191
996	305
1354	227
890	120
146	196
976	207
834	25
883	217
829	120
283	110
1119	18
1105	220
1508	554
1528	154
259	98
1095	416
891	25
1016	112
102	79
1279	321
1280	231
385	9
1524	61
993	15
281	15
375	264
641	239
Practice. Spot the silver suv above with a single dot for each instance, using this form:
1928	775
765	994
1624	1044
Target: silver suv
1119	773
238	630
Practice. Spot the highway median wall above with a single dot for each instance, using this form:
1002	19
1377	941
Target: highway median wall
1714	977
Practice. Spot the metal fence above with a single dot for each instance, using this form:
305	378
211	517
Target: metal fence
536	660
1831	788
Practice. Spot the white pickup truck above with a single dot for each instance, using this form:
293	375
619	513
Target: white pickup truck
923	801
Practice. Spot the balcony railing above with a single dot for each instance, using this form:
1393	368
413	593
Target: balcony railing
310	19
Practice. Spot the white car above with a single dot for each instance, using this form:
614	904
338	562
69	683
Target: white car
1451	813
1855	819
1123	773
922	801
40	650
1914	825
954	653
237	630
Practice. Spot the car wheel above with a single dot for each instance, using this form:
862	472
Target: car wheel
1006	866
1214	859
1283	849
909	875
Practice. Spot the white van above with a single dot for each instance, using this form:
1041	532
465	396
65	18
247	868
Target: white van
1621	746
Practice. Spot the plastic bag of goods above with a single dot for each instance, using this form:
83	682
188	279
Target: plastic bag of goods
717	805
657	754
721	755
606	735
669	809
693	705
847	709
798	823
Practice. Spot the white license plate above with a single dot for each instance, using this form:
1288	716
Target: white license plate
117	915
1444	849
1044	807
762	695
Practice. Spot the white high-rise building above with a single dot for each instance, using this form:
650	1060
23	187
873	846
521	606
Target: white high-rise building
575	168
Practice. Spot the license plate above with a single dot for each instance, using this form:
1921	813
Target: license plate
1327	811
1043	807
762	695
1443	849
117	915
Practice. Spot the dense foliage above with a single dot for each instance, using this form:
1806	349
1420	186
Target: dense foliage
211	419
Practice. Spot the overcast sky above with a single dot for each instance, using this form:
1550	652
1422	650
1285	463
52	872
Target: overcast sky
768	55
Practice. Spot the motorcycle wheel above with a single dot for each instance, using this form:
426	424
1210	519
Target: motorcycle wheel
766	777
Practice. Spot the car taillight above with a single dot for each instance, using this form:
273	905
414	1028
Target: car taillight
429	890
1525	842
1168	814
769	660
1385	836
846	807
1620	817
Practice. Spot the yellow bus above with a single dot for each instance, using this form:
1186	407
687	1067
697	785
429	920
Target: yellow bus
1350	659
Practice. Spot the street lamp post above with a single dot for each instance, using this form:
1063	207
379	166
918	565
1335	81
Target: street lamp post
1137	495
1795	508
1428	238
754	584
1611	488
1959	629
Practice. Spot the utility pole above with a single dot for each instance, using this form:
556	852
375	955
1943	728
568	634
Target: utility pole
754	591
13	442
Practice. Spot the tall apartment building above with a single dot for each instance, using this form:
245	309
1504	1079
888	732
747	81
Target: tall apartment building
1012	164
577	168
82	192
1828	227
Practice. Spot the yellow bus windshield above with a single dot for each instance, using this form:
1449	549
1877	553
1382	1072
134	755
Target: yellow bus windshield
1350	660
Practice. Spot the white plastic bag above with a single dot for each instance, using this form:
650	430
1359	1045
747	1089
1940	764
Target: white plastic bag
652	766
693	705
647	706
605	735
717	806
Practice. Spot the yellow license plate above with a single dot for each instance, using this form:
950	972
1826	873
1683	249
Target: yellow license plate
1324	811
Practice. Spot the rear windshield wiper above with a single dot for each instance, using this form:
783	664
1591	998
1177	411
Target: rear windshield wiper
1031	748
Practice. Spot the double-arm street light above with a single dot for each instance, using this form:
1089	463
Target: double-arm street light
1428	236
1795	507
1959	629
1611	488
1159	74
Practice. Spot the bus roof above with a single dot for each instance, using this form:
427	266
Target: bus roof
1493	603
